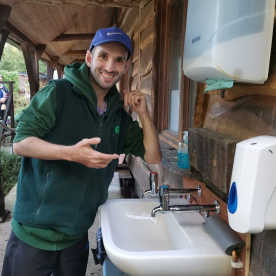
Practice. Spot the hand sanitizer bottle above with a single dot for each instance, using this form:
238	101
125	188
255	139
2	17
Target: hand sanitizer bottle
183	156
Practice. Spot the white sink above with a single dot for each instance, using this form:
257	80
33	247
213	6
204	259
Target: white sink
168	244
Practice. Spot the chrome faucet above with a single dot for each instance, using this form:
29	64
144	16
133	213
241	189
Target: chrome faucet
154	188
153	185
164	198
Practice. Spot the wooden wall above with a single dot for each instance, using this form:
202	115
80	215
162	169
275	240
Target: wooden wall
242	112
139	25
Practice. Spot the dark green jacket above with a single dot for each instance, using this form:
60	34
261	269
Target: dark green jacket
64	195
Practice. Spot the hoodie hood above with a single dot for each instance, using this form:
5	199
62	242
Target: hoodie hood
78	74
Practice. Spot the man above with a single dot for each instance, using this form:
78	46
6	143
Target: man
70	138
4	94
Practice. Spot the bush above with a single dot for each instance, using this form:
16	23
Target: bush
10	166
11	76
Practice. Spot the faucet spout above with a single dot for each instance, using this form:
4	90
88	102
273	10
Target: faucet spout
156	209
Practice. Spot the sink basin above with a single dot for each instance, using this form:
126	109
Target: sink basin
168	244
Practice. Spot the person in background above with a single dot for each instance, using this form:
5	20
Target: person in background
4	94
70	137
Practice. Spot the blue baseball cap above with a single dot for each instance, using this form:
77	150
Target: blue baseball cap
110	35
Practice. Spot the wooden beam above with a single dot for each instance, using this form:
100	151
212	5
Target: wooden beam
88	3
40	48
31	61
75	53
13	43
5	12
68	37
22	38
3	38
55	61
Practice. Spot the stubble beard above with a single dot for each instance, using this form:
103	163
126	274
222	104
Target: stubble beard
97	80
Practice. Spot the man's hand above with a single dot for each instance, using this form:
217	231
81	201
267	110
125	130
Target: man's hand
3	100
136	100
84	154
81	152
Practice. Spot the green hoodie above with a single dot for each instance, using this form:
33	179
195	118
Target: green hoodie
58	200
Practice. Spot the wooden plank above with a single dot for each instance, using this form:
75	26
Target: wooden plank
135	50
5	12
184	84
129	21
139	50
3	38
75	53
156	62
199	106
91	3
244	118
22	21
147	15
134	85
208	197
160	91
263	253
146	60
212	154
68	37
30	19
146	84
20	35
147	36
135	69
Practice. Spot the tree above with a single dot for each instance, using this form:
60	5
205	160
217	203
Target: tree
13	60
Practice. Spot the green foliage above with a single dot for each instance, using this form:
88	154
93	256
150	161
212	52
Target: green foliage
20	103
11	76
42	67
13	60
10	166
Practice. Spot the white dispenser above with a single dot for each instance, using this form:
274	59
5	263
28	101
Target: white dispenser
252	197
228	40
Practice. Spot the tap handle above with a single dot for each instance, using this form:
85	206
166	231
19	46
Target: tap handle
153	182
164	195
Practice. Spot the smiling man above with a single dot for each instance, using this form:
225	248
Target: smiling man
70	138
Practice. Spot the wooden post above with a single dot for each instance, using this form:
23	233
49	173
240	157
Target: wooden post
5	12
60	73
31	61
3	38
50	71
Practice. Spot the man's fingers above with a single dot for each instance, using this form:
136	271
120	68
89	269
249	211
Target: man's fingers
107	157
92	141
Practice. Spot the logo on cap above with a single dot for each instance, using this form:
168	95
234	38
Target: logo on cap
113	33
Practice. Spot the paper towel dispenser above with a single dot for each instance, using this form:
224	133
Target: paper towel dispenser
228	40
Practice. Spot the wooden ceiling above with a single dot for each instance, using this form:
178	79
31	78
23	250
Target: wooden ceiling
66	27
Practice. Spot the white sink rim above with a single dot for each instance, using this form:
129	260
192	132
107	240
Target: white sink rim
207	253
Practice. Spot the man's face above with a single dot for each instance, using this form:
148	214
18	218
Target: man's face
108	63
0	78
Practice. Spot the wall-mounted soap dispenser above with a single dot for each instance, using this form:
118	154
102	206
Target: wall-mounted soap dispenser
252	197
228	40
